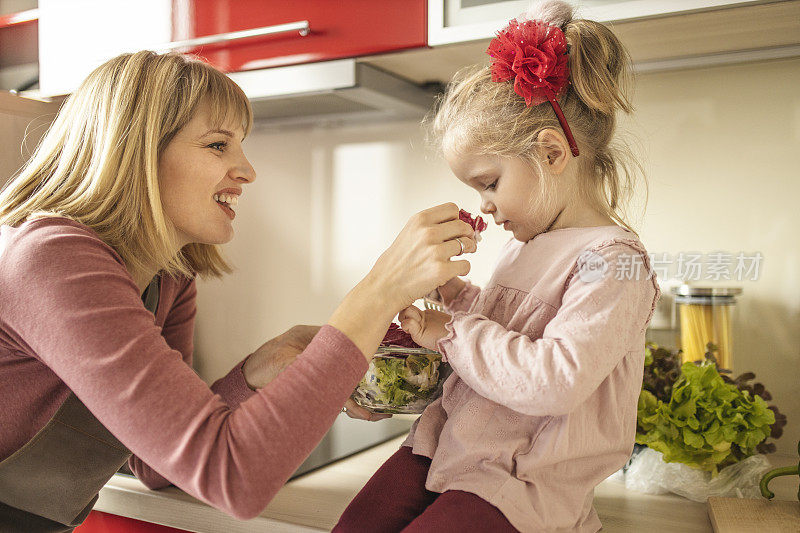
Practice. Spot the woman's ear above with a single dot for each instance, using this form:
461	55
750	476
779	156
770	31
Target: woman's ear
554	149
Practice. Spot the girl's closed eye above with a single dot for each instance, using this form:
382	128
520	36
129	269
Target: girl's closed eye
493	185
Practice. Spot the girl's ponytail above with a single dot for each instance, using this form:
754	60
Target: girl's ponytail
600	66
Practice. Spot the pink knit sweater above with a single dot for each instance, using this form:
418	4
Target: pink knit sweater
72	318
548	363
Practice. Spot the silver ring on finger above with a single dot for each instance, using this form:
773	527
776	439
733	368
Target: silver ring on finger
462	246
344	410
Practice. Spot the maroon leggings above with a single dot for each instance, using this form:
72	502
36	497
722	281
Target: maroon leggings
395	499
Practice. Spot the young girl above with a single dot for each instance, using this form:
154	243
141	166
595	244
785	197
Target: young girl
548	358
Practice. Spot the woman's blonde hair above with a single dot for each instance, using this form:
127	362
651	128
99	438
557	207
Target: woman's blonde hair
479	116
97	164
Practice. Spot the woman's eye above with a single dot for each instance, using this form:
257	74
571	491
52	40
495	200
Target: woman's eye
492	186
220	146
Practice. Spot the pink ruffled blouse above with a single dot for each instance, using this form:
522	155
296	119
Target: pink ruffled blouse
548	362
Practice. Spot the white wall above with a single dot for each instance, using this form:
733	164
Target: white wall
721	149
719	146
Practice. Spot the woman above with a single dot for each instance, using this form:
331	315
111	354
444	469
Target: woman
101	235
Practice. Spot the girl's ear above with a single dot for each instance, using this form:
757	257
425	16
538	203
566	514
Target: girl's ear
554	148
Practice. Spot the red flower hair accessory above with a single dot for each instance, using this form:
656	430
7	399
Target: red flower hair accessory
535	55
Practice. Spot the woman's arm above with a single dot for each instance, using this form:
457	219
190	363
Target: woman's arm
178	331
77	308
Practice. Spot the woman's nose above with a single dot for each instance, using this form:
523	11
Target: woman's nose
244	171
487	207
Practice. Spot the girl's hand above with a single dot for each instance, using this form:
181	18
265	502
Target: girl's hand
425	327
419	260
269	360
447	292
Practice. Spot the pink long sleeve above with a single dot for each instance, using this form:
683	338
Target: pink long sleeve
69	302
233	390
178	331
579	348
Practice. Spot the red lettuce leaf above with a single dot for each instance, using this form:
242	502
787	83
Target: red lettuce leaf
397	337
477	223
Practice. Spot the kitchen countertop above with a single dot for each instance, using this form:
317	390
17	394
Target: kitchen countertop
314	502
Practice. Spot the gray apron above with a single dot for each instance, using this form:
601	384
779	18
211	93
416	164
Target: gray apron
51	484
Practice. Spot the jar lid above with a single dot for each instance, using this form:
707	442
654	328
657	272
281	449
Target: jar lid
693	290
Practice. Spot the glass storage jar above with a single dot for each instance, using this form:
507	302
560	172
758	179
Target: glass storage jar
705	315
401	380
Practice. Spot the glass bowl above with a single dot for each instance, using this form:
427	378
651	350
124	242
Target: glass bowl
401	380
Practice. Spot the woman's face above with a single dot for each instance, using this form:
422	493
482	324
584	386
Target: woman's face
199	163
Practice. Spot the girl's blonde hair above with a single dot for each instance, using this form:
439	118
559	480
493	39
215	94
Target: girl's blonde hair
479	116
97	164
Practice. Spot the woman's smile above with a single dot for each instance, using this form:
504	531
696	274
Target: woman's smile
226	200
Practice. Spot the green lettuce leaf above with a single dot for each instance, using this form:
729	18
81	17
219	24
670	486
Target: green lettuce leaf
707	423
398	381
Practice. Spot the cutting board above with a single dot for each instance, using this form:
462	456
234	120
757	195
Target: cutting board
746	515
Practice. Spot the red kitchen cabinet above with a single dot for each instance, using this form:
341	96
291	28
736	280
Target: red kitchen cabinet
346	28
98	522
75	36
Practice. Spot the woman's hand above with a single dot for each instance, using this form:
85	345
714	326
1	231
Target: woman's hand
425	327
419	260
264	365
353	410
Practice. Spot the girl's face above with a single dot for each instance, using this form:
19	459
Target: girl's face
202	161
508	188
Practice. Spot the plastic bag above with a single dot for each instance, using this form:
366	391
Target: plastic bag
647	472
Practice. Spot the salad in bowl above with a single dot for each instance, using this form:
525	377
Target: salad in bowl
402	378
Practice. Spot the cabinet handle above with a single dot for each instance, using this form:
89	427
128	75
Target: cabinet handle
302	27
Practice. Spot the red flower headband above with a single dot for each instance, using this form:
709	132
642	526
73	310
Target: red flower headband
534	54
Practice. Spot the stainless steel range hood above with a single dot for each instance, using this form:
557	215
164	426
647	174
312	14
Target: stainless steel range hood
331	91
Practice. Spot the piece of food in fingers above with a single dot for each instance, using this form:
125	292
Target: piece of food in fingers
402	378
397	336
477	223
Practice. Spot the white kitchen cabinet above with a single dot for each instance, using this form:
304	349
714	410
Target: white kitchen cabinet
687	37
458	21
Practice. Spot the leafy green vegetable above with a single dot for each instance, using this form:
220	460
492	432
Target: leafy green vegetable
707	423
399	384
742	382
663	367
